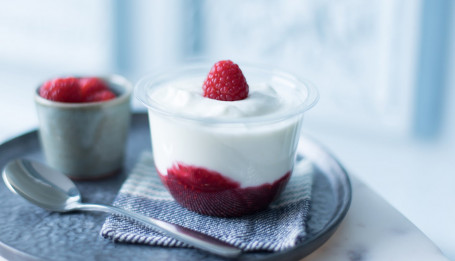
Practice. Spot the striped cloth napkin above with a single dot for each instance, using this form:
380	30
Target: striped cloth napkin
279	227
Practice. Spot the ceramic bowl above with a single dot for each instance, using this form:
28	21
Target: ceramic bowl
86	140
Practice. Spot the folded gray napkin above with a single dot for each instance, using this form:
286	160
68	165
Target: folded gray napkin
281	226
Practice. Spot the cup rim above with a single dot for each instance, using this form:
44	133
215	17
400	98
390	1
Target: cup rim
112	78
144	83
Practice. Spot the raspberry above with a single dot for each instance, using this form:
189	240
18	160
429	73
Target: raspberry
72	89
225	82
104	95
61	90
90	86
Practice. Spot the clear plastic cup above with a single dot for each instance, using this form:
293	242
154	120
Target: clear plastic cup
225	166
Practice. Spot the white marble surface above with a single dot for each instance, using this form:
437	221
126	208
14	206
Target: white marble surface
374	231
415	177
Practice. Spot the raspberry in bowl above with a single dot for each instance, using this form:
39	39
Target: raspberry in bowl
83	124
224	137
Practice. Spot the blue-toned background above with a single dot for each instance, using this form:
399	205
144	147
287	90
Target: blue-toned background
385	71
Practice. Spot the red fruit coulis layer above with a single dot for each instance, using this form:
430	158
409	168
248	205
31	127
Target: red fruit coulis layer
210	193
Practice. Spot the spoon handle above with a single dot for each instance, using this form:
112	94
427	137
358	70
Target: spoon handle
186	235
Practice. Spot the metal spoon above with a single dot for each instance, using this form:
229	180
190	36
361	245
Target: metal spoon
49	189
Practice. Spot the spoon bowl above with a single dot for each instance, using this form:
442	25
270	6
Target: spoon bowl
51	190
41	185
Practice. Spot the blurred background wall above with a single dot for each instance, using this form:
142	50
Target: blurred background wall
384	68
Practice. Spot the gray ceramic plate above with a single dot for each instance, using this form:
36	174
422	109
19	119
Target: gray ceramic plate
30	233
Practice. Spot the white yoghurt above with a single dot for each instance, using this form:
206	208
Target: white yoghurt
251	154
185	98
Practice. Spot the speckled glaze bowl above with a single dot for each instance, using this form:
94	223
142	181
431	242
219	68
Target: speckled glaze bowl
86	140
